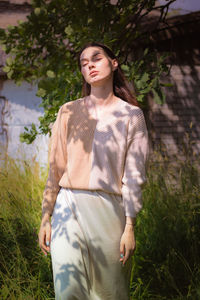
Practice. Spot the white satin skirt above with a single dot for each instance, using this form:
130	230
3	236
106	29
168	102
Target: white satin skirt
85	246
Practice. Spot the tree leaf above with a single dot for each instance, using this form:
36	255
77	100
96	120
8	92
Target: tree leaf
37	11
50	74
68	30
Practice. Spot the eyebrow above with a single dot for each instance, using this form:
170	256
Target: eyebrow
93	55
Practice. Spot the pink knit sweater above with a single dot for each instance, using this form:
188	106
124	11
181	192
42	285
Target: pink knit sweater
90	154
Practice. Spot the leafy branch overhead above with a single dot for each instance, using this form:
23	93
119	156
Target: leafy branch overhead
44	48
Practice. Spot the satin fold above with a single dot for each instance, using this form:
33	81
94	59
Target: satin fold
85	240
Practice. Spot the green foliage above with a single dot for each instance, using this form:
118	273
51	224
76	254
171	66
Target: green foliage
29	135
44	49
145	73
166	264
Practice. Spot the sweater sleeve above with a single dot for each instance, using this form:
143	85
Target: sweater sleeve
134	175
57	163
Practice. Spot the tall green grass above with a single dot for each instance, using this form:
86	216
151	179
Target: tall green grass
25	274
166	264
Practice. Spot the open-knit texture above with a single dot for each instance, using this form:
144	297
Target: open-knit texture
107	154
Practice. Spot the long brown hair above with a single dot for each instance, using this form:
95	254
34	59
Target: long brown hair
120	85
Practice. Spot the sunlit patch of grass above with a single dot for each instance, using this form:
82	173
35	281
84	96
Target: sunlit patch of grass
24	272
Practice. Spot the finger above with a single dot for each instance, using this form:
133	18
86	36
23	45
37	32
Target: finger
42	242
48	238
44	246
126	257
41	245
122	251
122	248
132	251
45	253
121	257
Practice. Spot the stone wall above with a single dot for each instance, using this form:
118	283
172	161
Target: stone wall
176	124
11	11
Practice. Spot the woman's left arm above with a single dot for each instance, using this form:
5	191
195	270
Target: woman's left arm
127	244
134	177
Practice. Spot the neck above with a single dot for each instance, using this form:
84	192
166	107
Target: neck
102	95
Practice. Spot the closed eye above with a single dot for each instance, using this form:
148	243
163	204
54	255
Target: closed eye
84	64
97	58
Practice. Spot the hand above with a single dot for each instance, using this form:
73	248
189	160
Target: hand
44	235
127	243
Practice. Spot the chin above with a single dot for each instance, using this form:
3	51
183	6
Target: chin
100	81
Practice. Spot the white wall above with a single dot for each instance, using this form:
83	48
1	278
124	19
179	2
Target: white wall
19	107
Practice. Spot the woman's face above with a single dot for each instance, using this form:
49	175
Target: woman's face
96	66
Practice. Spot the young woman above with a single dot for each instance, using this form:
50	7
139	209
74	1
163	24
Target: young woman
99	146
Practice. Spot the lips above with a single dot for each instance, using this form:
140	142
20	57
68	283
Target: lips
93	73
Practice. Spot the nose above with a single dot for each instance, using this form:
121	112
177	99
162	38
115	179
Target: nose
91	64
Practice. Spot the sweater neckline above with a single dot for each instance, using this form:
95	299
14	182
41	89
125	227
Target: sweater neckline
115	107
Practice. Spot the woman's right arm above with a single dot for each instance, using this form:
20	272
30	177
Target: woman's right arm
57	163
44	235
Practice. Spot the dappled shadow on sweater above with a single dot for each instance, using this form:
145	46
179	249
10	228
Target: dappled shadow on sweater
107	157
